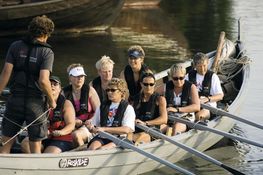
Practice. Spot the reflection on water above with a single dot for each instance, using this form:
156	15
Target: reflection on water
201	21
174	31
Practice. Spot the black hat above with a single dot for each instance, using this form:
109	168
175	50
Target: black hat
55	78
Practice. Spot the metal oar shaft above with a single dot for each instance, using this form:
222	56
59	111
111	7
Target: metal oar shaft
146	154
225	134
227	114
187	148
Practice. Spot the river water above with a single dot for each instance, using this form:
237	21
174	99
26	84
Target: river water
174	31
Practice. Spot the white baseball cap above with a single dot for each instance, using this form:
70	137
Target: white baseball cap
77	71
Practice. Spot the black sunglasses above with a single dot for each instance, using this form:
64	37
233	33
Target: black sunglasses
111	90
53	83
178	78
148	84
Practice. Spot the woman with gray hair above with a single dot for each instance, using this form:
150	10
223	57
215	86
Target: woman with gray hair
181	97
114	116
104	67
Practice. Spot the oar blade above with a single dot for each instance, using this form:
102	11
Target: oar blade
232	170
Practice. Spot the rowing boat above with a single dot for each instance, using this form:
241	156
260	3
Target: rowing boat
68	15
127	161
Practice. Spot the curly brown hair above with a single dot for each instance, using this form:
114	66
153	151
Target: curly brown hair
41	26
119	84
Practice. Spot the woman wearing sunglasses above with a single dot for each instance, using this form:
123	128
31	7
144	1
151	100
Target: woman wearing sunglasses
150	108
61	123
114	116
181	97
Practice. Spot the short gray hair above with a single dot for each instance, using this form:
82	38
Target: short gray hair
104	62
200	57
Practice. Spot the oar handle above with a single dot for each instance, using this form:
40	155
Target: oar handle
141	151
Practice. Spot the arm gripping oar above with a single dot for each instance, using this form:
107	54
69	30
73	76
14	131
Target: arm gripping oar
124	144
187	148
225	134
227	114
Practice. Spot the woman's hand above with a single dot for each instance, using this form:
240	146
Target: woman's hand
78	123
98	129
140	122
57	133
171	109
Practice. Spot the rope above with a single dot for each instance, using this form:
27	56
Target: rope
231	67
24	128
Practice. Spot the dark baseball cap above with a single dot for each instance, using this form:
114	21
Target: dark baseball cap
135	54
55	78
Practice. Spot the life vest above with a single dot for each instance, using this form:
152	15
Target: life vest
83	98
206	84
29	70
134	87
185	98
96	83
146	110
56	119
57	122
104	112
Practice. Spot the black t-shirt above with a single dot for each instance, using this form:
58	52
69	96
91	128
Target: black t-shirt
41	58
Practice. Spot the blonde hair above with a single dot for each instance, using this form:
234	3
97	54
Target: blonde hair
120	84
177	68
104	62
73	66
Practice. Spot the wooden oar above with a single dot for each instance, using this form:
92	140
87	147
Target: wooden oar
124	144
225	134
227	114
189	149
218	51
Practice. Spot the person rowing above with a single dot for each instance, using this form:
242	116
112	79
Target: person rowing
134	70
61	123
181	97
114	116
207	83
150	108
104	67
84	99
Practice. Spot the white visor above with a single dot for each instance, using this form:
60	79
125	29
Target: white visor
77	71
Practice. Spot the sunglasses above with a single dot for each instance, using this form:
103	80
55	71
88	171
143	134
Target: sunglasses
148	84
111	90
178	78
53	83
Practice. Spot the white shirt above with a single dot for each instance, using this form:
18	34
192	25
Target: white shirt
128	118
215	85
